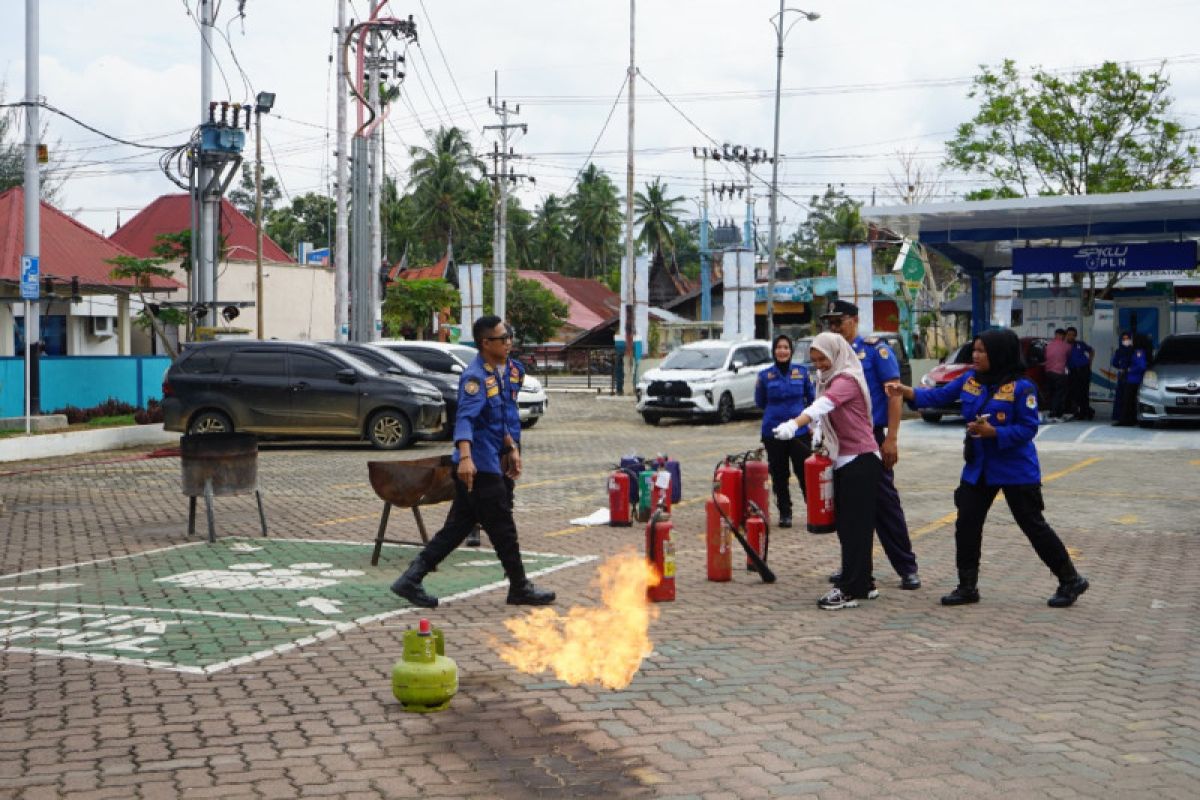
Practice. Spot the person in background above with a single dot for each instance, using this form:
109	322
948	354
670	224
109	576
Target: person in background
1079	376
485	455
1122	358
843	408
918	347
1057	353
783	390
881	367
1002	405
1139	362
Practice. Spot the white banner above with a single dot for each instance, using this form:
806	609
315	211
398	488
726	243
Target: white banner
1004	286
854	282
470	292
738	297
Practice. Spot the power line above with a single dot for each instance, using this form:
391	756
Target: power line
603	128
82	124
449	72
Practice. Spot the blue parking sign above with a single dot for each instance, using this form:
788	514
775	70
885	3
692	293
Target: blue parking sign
30	278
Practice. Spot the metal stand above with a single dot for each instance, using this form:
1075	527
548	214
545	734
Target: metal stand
383	522
208	508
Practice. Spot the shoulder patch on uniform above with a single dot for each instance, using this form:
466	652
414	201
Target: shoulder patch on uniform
795	372
1001	416
972	386
471	386
1031	400
883	352
514	374
862	356
770	375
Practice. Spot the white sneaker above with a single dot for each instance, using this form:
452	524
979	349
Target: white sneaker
834	599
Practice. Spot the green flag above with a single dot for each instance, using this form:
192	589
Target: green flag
910	262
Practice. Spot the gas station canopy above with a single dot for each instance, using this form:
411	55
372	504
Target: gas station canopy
980	236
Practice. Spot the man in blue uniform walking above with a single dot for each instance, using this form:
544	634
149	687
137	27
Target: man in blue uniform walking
881	368
486	457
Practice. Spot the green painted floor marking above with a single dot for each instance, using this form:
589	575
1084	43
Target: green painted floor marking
202	608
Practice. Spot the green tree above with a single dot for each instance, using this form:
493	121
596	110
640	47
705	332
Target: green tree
140	271
658	217
309	218
551	242
833	217
595	208
1104	129
12	155
443	178
243	196
412	304
534	312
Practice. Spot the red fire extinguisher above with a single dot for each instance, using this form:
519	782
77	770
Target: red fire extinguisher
660	551
618	500
818	478
756	534
728	481
758	488
718	539
660	492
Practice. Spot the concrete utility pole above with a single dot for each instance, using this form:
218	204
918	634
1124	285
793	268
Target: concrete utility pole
376	179
773	242
204	278
503	175
705	254
627	274
341	236
262	105
33	212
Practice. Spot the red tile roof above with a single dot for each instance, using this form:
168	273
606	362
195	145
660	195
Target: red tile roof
590	302
172	213
69	248
438	270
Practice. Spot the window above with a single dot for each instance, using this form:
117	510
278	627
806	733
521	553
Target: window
697	358
429	359
205	361
257	362
307	366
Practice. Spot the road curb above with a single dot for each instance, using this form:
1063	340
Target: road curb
50	445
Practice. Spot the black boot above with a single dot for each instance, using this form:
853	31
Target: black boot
473	537
1070	585
526	594
409	586
967	590
785	519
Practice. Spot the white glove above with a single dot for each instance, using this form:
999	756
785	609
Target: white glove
786	430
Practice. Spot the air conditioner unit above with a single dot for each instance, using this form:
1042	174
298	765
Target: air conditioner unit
103	326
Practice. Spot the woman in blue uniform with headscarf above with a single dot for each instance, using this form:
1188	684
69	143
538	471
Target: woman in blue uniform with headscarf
782	391
1001	407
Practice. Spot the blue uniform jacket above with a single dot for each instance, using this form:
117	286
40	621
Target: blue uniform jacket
1122	357
484	414
783	397
1010	458
880	366
1080	355
1138	364
515	373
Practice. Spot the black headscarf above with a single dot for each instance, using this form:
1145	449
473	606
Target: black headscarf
1004	357
783	366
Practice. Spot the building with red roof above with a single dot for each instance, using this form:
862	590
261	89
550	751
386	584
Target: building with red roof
172	213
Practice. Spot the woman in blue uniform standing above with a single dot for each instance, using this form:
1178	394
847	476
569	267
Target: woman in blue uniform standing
1002	407
1138	363
783	390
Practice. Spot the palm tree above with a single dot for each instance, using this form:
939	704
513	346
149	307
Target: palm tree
658	217
442	178
595	209
551	240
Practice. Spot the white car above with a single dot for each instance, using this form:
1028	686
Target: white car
713	379
454	358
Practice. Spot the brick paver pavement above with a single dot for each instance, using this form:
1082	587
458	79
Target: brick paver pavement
751	691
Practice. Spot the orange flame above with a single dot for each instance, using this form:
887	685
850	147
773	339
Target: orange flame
602	646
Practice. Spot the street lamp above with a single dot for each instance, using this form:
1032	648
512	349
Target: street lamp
262	105
777	21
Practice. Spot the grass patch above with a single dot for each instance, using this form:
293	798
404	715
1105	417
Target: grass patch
108	422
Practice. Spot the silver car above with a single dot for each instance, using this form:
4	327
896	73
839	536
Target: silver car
1170	389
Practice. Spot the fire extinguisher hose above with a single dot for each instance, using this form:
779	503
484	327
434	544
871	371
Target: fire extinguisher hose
761	566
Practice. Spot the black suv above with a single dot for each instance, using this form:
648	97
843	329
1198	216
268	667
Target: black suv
297	389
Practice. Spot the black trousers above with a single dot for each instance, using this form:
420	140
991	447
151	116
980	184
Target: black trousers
1056	388
784	458
890	524
490	504
1079	382
855	489
1025	502
1127	401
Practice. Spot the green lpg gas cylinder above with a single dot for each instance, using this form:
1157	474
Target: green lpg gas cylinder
424	680
645	484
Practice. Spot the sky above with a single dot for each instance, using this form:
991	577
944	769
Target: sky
869	80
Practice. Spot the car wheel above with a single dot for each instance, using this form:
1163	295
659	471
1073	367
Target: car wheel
389	430
650	418
725	408
529	423
931	417
210	422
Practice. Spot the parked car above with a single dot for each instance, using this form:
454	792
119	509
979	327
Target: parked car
295	389
452	359
389	361
710	378
1170	389
804	343
1033	351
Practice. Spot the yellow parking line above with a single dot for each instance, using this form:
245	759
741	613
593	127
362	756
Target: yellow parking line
1195	462
340	520
1087	462
566	531
933	526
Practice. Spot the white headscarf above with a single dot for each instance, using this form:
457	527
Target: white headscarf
843	361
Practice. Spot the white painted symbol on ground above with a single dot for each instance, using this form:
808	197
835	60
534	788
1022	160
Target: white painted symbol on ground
250	565
238	581
1158	603
321	605
310	565
243	547
41	587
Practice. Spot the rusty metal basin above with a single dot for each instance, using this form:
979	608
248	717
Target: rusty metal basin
419	482
228	460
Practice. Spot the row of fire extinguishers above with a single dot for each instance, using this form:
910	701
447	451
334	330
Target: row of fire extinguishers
646	489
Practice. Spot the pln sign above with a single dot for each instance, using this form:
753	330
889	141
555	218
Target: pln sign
1148	257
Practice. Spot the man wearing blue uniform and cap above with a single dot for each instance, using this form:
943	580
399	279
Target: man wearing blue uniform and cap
881	368
487	459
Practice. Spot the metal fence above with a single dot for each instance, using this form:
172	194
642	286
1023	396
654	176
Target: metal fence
589	368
